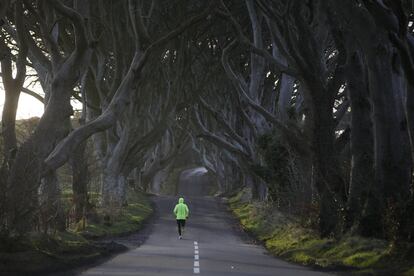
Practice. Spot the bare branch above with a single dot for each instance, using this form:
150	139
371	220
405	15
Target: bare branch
117	105
77	21
244	40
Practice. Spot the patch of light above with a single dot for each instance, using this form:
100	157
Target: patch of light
194	172
28	106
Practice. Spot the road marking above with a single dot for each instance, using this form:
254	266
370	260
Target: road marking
196	268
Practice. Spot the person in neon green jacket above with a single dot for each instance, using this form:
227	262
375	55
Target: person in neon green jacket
181	212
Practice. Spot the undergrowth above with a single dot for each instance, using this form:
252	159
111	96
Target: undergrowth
59	251
287	238
129	220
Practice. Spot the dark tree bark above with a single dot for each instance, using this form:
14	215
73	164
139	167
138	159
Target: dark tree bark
12	88
80	180
4	6
392	156
26	174
326	176
8	122
362	149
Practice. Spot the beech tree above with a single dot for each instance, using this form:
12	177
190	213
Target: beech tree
306	104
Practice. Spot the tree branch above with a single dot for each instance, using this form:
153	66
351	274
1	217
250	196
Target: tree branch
117	105
219	118
217	140
78	23
244	40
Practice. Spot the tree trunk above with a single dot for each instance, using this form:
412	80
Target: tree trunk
113	190
12	88
26	173
51	209
80	179
407	227
8	124
285	95
326	176
392	158
362	144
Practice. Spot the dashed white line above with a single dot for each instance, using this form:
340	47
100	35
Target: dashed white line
196	259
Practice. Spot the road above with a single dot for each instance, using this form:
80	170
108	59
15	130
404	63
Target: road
211	246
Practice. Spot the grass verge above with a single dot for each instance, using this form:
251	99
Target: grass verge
129	220
285	238
40	254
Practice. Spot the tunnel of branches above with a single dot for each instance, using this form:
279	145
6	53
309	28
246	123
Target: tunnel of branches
308	105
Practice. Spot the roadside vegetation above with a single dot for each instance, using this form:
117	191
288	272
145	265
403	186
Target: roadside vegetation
293	239
128	220
81	244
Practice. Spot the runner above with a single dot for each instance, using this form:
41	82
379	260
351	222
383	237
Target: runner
181	212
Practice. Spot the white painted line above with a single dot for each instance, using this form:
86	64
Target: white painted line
196	259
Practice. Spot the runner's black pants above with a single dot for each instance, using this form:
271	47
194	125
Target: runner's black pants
180	224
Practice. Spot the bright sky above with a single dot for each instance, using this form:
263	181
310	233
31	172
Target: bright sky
28	106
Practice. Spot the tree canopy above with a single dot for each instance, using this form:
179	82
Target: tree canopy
308	104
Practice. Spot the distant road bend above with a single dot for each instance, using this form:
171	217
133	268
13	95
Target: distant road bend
210	245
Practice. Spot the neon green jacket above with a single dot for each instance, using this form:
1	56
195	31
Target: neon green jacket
181	209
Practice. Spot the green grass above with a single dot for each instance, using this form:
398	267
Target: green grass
286	238
130	218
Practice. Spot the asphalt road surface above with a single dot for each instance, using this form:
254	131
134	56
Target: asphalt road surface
212	245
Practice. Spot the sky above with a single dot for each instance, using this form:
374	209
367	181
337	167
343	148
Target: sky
28	106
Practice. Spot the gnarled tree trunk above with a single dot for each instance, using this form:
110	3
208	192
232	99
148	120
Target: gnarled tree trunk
392	157
362	144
